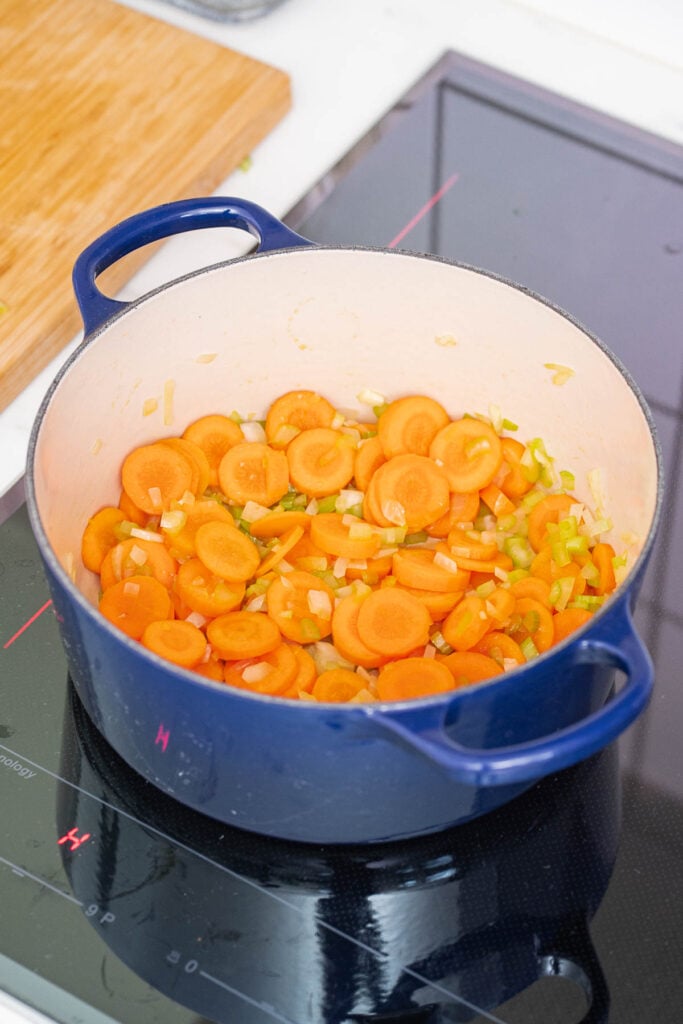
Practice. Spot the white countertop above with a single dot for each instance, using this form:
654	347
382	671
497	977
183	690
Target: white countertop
350	60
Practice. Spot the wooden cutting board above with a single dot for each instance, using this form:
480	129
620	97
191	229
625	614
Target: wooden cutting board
105	112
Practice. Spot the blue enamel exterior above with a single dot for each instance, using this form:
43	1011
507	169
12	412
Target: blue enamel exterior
324	773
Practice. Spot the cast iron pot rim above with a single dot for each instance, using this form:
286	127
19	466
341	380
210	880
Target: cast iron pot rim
187	675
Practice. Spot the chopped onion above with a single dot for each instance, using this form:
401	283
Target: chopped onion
319	604
348	499
284	434
429	651
255	673
155	496
257	604
173	520
312	507
339	568
369	397
252	512
137	555
131	589
253	431
146	535
449	564
196	619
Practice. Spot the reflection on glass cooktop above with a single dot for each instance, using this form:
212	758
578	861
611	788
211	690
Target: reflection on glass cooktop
122	907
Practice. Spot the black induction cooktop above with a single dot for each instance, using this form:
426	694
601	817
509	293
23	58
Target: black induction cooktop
119	906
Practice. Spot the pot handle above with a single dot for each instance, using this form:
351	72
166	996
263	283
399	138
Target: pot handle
619	646
161	222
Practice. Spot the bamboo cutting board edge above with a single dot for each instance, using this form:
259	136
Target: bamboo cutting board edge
217	105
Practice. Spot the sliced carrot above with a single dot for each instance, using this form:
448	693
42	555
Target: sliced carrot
211	669
337	685
99	536
156	475
131	512
470	452
181	542
532	586
469	667
301	604
415	567
463	508
214	434
333	534
132	604
375	569
568	621
466	624
500	647
227	552
276	523
346	637
197	457
511	477
306	673
178	642
500	605
203	592
302	410
409	490
369	457
469	544
320	461
437	604
393	622
280	550
409	425
496	500
544	567
488	566
548	510
305	549
241	634
413	677
271	673
253	471
602	555
134	557
533	620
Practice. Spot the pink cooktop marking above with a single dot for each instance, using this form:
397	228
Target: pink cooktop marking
448	184
23	628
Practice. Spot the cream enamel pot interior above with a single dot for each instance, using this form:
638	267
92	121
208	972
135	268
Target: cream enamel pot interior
337	320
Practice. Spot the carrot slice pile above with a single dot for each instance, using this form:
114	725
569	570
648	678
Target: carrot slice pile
325	558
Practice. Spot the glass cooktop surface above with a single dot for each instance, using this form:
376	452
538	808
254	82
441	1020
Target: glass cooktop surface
119	906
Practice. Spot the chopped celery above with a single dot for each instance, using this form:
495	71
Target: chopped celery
484	589
529	649
588	601
416	538
519	550
328	504
567	480
309	631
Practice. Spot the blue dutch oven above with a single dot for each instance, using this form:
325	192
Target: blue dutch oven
337	320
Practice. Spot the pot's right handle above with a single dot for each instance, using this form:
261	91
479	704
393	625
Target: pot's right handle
162	222
616	644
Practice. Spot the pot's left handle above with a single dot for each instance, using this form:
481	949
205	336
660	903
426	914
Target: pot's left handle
162	222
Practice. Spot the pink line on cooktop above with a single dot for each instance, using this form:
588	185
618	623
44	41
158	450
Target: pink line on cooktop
26	625
424	210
